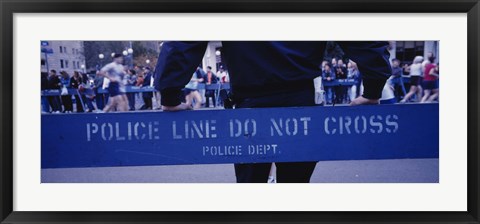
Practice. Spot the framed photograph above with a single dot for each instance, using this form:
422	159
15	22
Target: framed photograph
263	112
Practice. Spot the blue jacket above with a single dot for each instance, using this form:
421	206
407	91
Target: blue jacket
65	82
326	74
259	68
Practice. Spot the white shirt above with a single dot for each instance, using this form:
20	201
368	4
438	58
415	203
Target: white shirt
106	82
223	76
114	71
416	69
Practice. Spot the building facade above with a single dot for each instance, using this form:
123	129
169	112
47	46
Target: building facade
63	56
406	51
212	56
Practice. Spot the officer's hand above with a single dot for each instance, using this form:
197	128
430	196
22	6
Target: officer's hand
179	107
364	101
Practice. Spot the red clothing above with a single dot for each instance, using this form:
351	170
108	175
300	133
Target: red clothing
209	78
427	76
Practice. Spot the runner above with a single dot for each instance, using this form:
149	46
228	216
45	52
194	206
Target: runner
415	80
114	72
191	90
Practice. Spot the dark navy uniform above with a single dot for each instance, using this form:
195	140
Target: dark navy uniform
270	74
147	96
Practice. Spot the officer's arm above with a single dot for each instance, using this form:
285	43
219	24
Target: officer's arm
372	58
176	64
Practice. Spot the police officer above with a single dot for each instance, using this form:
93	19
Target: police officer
270	74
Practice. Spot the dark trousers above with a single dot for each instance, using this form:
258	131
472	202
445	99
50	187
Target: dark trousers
79	103
55	103
67	103
287	172
209	94
148	103
224	94
298	172
101	99
340	94
131	100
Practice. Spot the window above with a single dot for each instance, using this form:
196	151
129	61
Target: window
73	51
61	49
74	65
43	62
64	49
78	64
61	63
407	50
66	63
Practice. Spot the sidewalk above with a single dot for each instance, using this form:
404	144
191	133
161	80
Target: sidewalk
355	171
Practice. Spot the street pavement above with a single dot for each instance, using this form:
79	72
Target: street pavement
353	171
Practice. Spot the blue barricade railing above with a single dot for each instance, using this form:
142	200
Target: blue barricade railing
138	89
128	89
89	91
340	82
240	136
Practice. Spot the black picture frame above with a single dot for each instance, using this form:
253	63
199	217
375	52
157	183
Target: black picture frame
9	7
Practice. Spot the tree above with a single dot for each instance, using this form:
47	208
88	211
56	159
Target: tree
93	48
142	53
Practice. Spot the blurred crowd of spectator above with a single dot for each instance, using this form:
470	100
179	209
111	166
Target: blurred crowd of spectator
88	91
410	82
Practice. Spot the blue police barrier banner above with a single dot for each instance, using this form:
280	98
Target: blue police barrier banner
340	82
58	92
240	136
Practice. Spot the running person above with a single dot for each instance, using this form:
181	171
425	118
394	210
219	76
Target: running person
191	90
114	72
430	83
415	80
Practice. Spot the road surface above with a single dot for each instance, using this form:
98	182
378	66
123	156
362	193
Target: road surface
355	171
